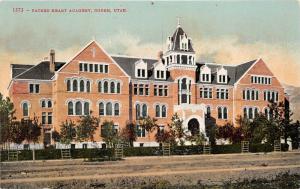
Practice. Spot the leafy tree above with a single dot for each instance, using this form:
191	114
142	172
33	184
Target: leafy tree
149	124
32	131
109	134
86	127
198	139
244	128
56	136
67	132
129	133
225	132
163	136
176	130
294	134
259	128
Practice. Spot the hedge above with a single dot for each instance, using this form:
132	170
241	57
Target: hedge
107	154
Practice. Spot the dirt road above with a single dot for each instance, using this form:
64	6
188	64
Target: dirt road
131	171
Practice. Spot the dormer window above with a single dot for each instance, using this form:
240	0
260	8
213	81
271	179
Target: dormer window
205	74
184	45
222	75
141	69
160	70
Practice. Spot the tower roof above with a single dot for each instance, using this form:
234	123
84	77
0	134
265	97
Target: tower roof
176	40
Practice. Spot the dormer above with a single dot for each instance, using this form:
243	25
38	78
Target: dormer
222	75
160	71
169	43
184	42
205	74
141	69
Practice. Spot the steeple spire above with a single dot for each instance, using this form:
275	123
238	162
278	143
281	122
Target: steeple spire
178	22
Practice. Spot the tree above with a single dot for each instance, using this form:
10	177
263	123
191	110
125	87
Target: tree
225	132
198	139
67	132
109	134
129	133
86	128
32	131
176	130
244	128
149	124
56	136
162	136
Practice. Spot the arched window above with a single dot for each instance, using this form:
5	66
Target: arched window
118	87
225	113
250	113
75	85
219	113
255	112
70	108
248	94
183	84
138	111
109	109
78	108
144	110
88	86
245	113
86	108
252	95
117	109
81	85
49	104
157	111
112	87
208	112
68	85
25	109
43	103
101	108
99	86
163	111
105	86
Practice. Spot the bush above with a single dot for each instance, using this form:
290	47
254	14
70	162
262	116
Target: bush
261	148
141	151
226	149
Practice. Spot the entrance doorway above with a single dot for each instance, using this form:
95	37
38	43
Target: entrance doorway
193	126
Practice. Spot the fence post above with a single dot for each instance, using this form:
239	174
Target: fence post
166	147
245	147
277	146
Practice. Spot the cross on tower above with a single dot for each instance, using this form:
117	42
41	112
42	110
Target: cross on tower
94	52
178	22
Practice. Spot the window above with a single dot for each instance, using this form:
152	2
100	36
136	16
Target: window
135	89
157	111
109	109
265	80
160	90
85	67
271	96
34	88
222	78
141	89
117	109
88	86
250	112
208	112
105	86
80	67
144	110
43	103
68	85
49	104
112	87
105	68
25	109
138	111
70	108
78	108
118	88
101	68
222	113
147	90
96	68
99	86
91	68
206	93
222	93
75	85
184	86
86	108
250	94
81	85
49	118
163	111
101	108
43	118
141	131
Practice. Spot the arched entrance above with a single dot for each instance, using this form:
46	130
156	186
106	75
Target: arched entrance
193	127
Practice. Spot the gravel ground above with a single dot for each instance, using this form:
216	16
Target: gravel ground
133	172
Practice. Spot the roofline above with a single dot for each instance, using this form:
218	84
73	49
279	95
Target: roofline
26	70
130	56
247	71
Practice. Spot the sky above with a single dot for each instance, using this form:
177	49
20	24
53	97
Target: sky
225	32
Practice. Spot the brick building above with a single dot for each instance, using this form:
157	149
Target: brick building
122	88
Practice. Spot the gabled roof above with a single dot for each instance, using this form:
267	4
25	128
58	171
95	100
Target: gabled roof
17	69
176	40
234	72
39	72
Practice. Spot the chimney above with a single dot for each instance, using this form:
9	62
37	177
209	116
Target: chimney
52	60
160	57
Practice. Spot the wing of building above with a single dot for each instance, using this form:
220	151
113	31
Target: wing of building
122	89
